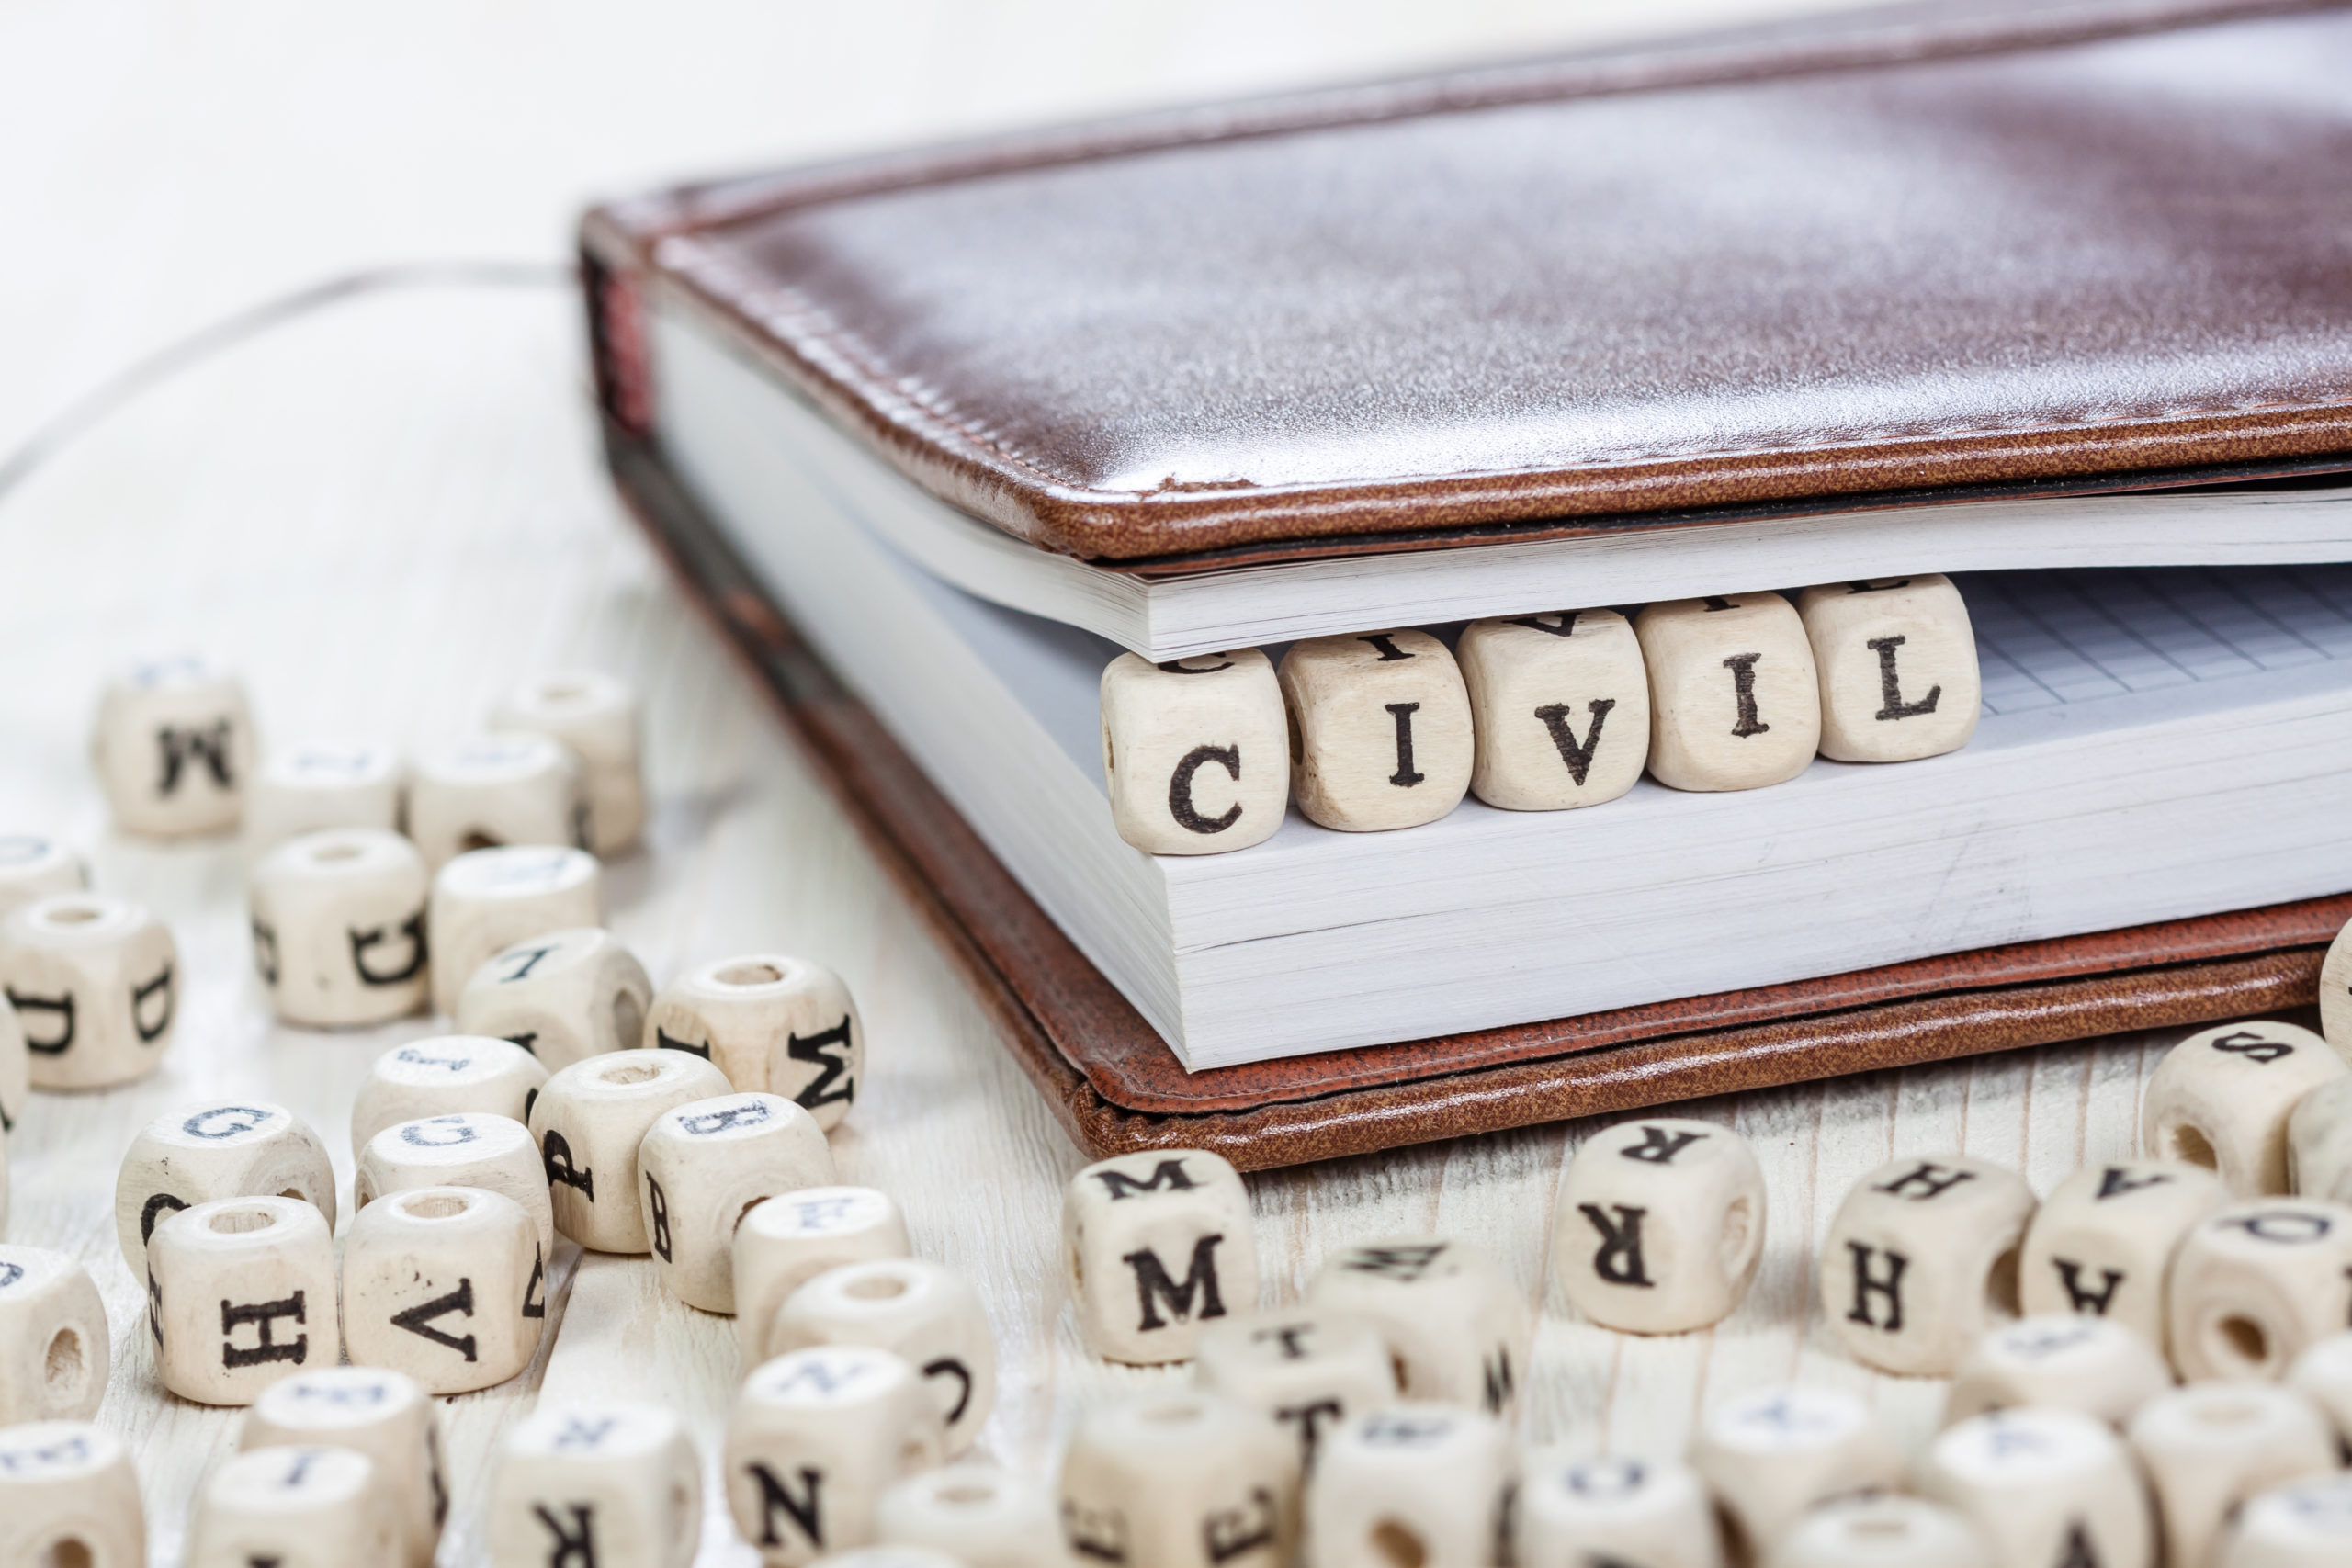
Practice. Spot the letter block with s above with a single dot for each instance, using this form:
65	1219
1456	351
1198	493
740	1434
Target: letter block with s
1919	1256
1157	1244
1193	752
1659	1225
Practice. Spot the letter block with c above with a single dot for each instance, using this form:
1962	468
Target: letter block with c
1192	752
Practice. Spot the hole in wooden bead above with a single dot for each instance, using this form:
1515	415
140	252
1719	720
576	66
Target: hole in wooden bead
912	1457
71	1552
72	914
334	854
749	975
878	1288
2192	1148
1737	1220
629	1019
2001	1284
435	1206
63	1366
2245	1339
2228	1412
1396	1369
290	1192
965	1493
1176	1413
745	1213
477	841
1398	1545
242	1221
630	1072
1879	1527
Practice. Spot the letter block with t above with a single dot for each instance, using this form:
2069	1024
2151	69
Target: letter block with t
445	1285
1380	730
1194	751
1456	1327
2209	1447
1898	664
307	1506
446	1075
1734	702
595	1486
1308	1368
375	1412
1179	1479
69	1496
1561	706
95	983
1917	1256
2043	1486
213	1149
487	900
816	1438
774	1024
1575	1510
1659	1225
338	927
1771	1455
495	790
2255	1283
702	1166
562	996
589	1122
1411	1484
239	1293
465	1148
2067	1360
2222	1098
174	747
928	1317
54	1348
1156	1244
2101	1241
791	1238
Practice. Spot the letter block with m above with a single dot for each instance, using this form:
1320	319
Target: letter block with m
1157	1244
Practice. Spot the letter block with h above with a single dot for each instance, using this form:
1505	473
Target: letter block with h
1157	1244
1921	1256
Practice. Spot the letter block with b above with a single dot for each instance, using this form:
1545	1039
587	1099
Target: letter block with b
306	1506
1898	664
702	1166
1193	752
95	983
239	1293
1179	1479
1733	701
928	1315
612	1486
774	1024
210	1150
2224	1097
1659	1225
590	1120
2101	1241
2254	1284
1561	704
814	1438
1411	1484
1157	1244
1918	1257
338	927
1380	734
174	747
445	1285
1457	1327
563	995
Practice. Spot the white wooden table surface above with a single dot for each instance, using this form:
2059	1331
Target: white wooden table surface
385	513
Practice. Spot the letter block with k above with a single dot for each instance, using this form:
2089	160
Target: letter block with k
1921	1255
604	1486
1157	1244
1659	1225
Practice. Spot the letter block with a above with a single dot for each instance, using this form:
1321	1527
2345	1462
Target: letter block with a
981	1516
612	1486
487	900
1659	1225
174	747
54	1348
814	1438
1575	1510
446	1075
68	1494
2101	1241
465	1148
589	1120
1919	1255
562	996
791	1238
239	1293
33	866
774	1024
1411	1484
374	1412
1156	1244
594	716
1771	1455
495	790
2069	1360
2222	1097
1380	730
1457	1329
702	1166
2209	1447
1194	751
2304	1524
1308	1368
1882	1532
319	785
2256	1283
305	1506
338	927
1179	1479
1898	664
1560	705
1734	702
214	1149
94	981
2044	1485
928	1315
445	1285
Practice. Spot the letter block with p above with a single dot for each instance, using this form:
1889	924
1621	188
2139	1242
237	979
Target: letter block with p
1659	1225
1157	1244
1920	1254
1193	752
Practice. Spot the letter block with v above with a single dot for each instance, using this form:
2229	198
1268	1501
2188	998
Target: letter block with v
1561	705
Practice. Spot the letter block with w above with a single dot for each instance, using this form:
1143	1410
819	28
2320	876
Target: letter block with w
1157	1244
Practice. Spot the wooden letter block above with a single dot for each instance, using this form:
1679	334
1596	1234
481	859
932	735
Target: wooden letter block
374	1412
613	1485
445	1285
2256	1283
495	790
1659	1225
2209	1447
926	1315
239	1293
814	1438
2336	993
16	1090
69	1498
487	900
2067	1360
1157	1244
222	1148
2323	1374
296	1507
2045	1487
2304	1524
446	1075
589	1120
54	1348
465	1148
1457	1329
1771	1455
596	716
1194	751
562	996
1882	1532
2101	1241
1411	1484
984	1517
1734	703
319	785
33	867
773	1025
338	927
703	1167
94	981
1380	731
2221	1099
1575	1511
1179	1479
2319	1143
1560	705
173	746
1918	1256
1309	1370
791	1238
889	1555
1897	662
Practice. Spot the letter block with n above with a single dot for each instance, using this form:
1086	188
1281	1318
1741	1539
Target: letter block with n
1157	1244
1921	1256
816	1436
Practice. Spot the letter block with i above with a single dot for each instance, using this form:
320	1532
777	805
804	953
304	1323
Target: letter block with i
1380	730
1192	752
239	1293
1156	1244
2101	1241
612	1486
1562	707
1897	663
1733	700
1919	1256
1659	1225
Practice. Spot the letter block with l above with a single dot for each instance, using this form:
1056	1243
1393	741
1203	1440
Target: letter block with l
1921	1255
1157	1244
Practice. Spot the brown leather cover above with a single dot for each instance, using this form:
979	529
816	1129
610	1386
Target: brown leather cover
1934	249
1116	1087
